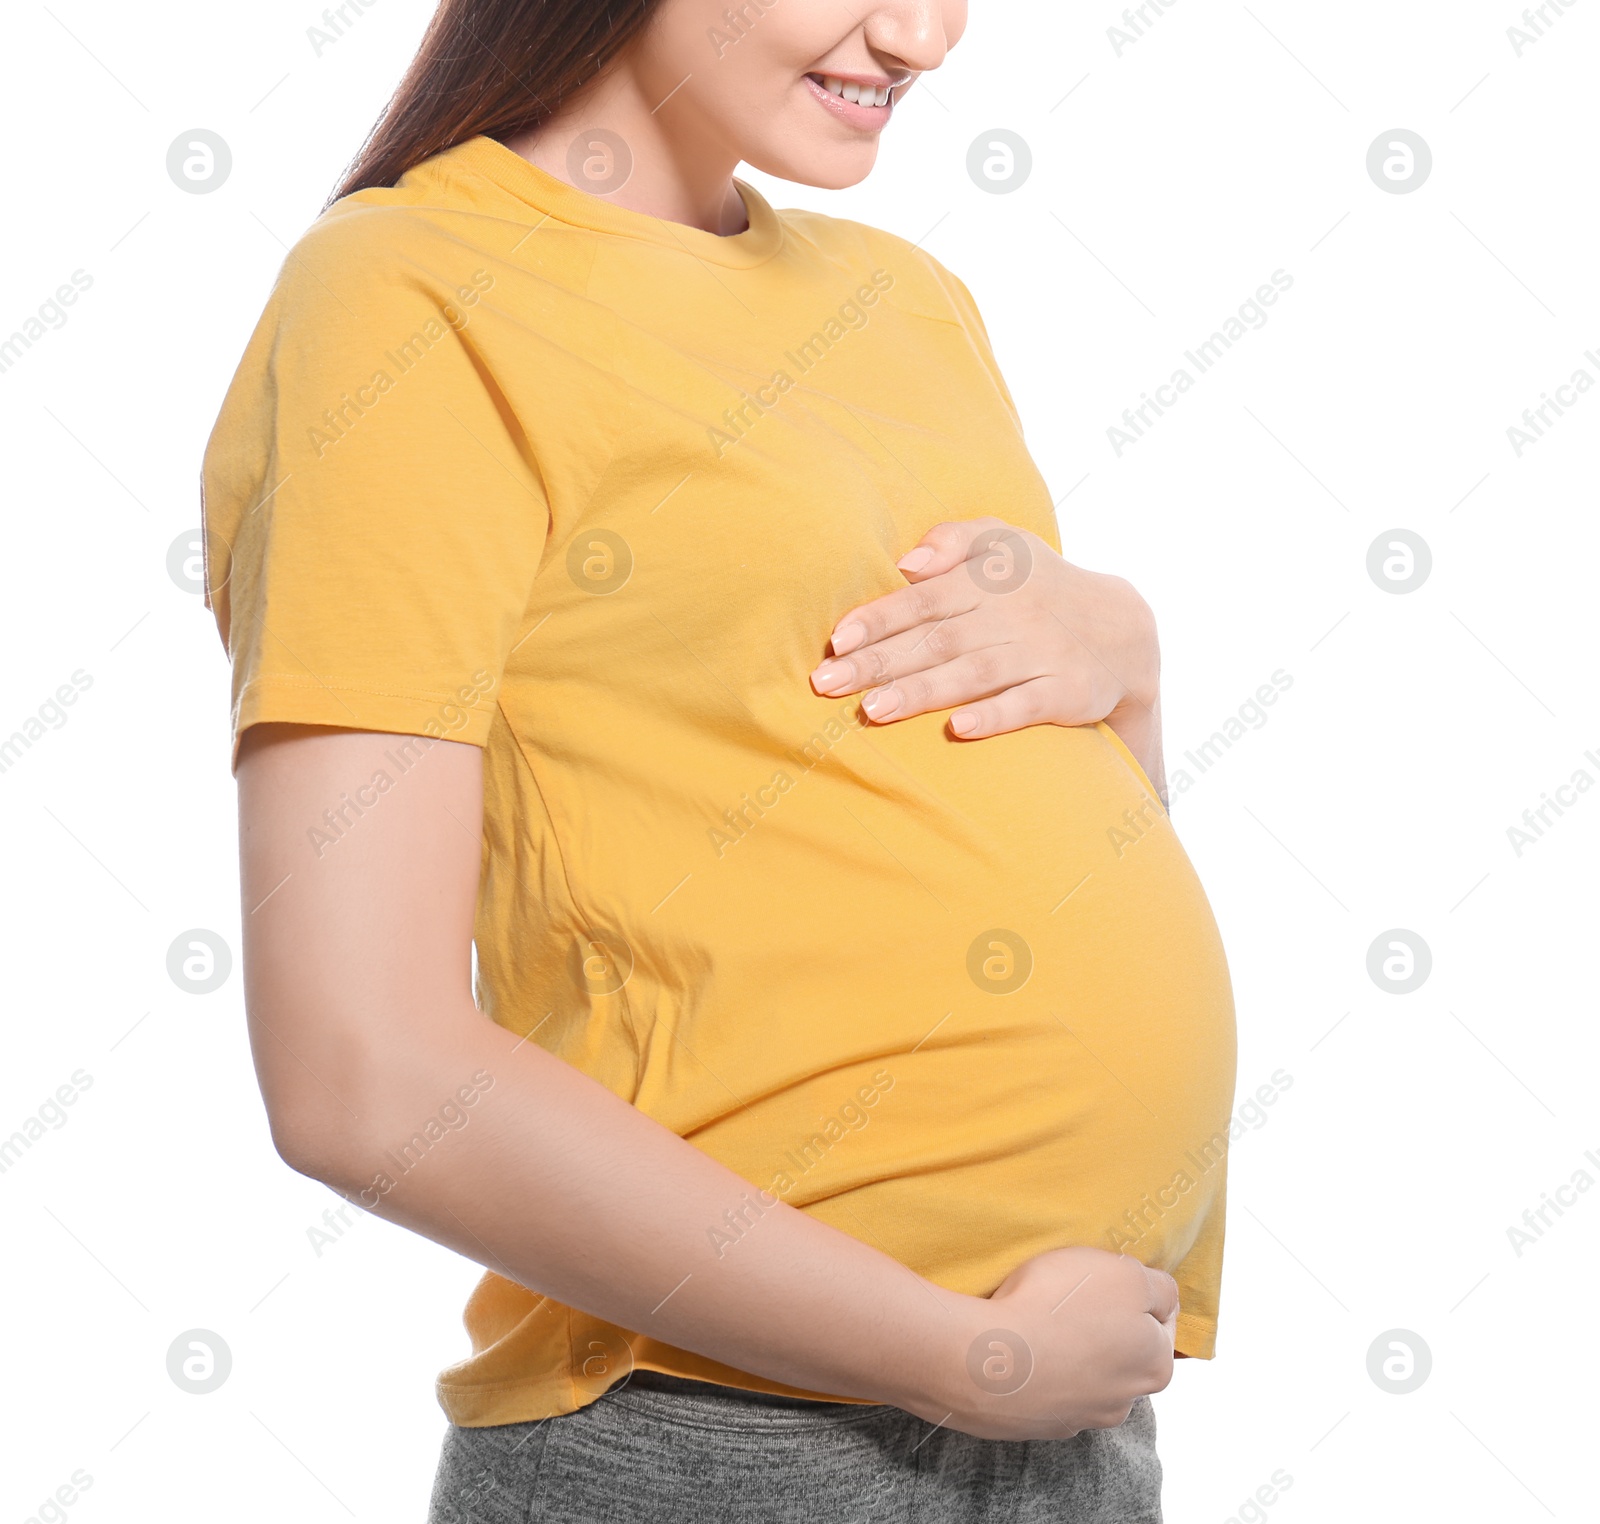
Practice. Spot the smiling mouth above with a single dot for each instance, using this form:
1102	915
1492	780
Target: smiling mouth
857	94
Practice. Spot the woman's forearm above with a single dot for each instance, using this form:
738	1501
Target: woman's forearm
1131	635
556	1183
383	1078
1137	723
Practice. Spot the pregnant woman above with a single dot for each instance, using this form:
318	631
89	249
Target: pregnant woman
653	590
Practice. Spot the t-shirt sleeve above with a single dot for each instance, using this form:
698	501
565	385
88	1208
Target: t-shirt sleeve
373	519
965	311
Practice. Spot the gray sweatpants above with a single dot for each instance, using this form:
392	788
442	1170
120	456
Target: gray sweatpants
664	1450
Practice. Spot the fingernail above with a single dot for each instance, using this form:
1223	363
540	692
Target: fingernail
915	560
847	637
881	702
832	675
963	722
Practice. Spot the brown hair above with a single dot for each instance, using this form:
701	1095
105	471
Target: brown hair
494	67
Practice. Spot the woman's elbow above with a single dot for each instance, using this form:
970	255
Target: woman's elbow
312	1143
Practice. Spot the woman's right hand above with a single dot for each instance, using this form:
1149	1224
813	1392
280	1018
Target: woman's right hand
1068	1341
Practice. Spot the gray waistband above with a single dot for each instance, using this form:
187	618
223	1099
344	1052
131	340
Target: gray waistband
712	1392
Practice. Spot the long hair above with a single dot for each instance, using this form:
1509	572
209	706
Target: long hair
493	67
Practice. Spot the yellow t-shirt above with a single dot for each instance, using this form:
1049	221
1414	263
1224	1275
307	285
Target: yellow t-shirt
511	465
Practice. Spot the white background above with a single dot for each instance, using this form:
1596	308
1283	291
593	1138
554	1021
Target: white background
1167	184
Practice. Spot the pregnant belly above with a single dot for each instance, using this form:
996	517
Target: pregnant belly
1000	1020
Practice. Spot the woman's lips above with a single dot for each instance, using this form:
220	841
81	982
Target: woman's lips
853	113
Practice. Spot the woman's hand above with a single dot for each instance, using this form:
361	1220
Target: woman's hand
998	627
1070	1340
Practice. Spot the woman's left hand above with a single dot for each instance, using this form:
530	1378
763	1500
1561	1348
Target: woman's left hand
998	627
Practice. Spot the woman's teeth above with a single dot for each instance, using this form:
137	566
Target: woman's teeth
862	95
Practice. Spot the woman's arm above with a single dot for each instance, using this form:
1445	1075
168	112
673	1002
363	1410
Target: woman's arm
363	1028
1137	721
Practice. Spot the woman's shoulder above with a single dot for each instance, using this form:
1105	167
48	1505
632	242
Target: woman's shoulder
375	251
913	276
434	239
385	284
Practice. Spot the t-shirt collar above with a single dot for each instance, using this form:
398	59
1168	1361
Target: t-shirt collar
543	191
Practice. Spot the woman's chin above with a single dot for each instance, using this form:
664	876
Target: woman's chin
825	165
